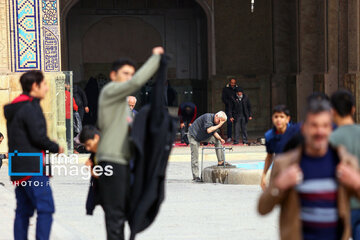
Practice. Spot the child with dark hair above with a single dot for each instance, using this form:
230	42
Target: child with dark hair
90	136
348	135
276	138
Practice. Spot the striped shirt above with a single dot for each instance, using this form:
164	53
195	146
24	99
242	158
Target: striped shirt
318	196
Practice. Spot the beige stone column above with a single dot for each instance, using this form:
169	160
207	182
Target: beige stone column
60	113
4	98
30	40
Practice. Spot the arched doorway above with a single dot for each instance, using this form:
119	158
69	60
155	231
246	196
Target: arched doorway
97	32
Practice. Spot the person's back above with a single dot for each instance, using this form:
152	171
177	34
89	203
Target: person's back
187	111
347	134
187	114
349	137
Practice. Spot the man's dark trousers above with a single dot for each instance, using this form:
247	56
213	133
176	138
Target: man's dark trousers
114	194
68	132
184	129
240	126
229	123
81	111
36	194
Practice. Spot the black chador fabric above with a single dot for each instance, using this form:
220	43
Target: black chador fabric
93	197
153	133
92	94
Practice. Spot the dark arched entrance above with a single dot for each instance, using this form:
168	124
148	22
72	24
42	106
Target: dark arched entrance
97	32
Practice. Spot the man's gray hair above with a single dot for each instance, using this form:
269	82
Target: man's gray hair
131	97
222	115
316	106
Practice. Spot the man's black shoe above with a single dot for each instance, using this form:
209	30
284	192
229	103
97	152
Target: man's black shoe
197	179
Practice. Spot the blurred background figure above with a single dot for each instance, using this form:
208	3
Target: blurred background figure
228	94
2	156
187	115
240	113
81	101
92	93
132	103
68	113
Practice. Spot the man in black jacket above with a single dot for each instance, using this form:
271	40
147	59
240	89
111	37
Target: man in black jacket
81	101
240	112
228	94
26	128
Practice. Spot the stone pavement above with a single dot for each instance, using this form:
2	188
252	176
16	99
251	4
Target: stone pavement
190	210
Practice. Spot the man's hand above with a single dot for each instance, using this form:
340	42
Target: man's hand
61	149
289	178
263	182
348	176
189	124
217	136
158	50
250	118
231	119
90	164
222	121
6	155
87	109
182	125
